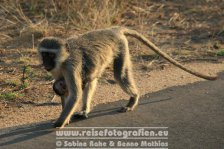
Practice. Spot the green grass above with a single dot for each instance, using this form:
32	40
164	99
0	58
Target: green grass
27	69
23	85
13	83
23	60
220	52
8	96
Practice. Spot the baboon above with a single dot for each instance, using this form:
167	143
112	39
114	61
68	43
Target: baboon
80	62
61	90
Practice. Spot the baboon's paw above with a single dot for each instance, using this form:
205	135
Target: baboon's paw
125	109
81	115
58	124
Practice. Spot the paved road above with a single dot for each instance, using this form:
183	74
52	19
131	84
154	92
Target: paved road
194	115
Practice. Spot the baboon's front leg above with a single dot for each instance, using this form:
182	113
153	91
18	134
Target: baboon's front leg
87	98
74	84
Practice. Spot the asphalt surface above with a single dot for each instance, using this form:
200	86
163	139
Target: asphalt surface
194	115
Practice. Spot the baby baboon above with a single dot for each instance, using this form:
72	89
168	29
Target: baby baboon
61	90
80	61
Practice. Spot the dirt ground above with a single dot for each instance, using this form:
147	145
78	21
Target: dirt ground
190	31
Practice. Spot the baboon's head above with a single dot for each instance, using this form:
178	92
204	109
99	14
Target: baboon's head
52	52
60	87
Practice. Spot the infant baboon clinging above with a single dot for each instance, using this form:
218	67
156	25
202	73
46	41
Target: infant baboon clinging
80	61
61	90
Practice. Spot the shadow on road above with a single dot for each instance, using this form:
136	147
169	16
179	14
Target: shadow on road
27	132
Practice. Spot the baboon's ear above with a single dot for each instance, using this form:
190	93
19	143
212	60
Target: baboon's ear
66	46
39	41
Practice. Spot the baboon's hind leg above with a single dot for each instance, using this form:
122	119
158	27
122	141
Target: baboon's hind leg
88	94
124	77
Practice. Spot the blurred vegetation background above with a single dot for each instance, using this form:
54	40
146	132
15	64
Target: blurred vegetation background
42	16
55	17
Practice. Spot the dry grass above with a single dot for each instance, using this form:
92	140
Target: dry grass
37	16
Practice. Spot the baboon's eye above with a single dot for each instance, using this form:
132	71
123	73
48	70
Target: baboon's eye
51	55
43	54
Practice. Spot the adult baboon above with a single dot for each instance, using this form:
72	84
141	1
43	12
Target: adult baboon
80	61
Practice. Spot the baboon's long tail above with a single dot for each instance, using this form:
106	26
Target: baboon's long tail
144	40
